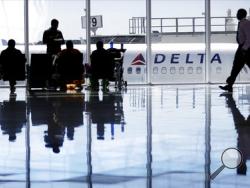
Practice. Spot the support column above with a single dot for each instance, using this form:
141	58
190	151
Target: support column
88	34
148	41
207	39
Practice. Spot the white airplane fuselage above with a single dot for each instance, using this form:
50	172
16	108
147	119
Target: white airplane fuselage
170	62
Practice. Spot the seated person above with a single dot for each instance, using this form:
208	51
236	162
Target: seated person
13	65
101	67
69	66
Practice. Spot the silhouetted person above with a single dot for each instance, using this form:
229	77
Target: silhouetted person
53	38
13	117
69	66
242	125
242	54
13	65
101	67
54	136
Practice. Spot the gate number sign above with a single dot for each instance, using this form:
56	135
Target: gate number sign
95	21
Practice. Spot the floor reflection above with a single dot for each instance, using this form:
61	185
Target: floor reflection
106	109
242	126
148	136
61	115
12	117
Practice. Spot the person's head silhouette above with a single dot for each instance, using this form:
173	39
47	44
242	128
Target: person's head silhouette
69	44
241	14
11	43
54	24
99	45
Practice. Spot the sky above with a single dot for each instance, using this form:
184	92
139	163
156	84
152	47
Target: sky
115	14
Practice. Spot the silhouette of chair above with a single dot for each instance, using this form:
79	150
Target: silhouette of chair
40	70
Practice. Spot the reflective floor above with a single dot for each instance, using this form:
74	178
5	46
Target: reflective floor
159	136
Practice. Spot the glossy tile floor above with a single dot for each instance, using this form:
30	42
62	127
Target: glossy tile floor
159	136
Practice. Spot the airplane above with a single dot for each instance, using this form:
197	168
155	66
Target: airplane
170	62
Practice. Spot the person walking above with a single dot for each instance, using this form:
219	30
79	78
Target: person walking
242	54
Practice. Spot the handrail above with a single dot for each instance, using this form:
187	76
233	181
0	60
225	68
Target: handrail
137	25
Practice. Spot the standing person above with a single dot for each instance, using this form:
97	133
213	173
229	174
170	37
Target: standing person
53	38
13	65
242	54
101	67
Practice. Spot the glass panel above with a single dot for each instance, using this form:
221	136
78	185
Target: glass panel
11	26
178	136
119	137
13	139
41	13
224	26
58	140
120	27
178	47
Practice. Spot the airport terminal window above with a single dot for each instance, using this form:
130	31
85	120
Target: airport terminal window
226	28
171	29
12	27
180	36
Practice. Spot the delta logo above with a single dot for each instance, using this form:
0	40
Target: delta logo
139	60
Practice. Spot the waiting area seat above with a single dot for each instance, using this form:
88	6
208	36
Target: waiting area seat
40	70
46	71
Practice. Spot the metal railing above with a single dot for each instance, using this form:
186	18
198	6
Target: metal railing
137	25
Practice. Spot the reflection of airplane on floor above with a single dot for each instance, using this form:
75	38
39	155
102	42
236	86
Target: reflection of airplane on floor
109	110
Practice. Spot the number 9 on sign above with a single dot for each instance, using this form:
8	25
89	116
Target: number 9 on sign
95	21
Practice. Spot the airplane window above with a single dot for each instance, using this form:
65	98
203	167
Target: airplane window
181	70
164	70
130	70
190	70
172	70
218	70
155	70
138	70
198	70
